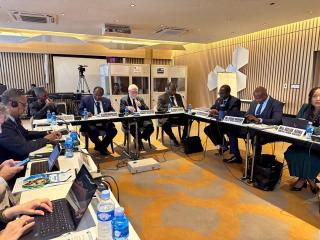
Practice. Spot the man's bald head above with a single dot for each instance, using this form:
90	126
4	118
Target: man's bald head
260	94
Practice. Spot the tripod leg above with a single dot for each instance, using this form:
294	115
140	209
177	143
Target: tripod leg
85	82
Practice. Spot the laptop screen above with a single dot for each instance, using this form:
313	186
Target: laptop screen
53	156
80	194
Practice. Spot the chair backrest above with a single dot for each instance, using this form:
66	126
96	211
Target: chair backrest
61	107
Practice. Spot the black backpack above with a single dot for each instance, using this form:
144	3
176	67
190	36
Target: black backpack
267	172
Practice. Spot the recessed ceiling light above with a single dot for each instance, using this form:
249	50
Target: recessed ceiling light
62	14
310	12
272	3
132	5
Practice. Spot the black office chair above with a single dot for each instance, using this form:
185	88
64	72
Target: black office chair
159	125
126	137
86	139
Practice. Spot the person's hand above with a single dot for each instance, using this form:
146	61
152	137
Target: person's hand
8	169
138	103
252	118
53	136
15	229
213	112
131	109
49	102
90	114
34	207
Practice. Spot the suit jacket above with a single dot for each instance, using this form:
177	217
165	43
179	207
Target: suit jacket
233	106
16	142
272	114
164	100
39	109
125	101
88	103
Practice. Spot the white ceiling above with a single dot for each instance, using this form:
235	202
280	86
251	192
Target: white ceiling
207	20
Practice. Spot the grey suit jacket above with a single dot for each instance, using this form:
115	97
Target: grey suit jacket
272	114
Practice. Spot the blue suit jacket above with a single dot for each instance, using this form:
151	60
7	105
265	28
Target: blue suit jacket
88	103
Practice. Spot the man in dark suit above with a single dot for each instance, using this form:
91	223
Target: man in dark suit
231	106
135	103
95	105
264	109
175	100
15	141
39	108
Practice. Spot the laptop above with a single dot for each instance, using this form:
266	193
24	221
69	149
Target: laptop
47	166
67	212
295	122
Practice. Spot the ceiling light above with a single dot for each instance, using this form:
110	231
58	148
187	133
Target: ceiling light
132	5
62	14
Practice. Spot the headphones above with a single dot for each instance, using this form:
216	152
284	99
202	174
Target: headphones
14	103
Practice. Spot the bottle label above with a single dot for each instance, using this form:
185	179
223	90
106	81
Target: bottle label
105	216
121	233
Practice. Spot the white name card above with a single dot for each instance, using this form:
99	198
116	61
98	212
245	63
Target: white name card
202	114
296	132
109	114
66	117
235	120
177	110
146	112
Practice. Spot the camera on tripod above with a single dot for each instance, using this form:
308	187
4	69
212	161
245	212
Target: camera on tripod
82	69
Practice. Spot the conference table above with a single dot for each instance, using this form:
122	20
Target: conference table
252	130
87	228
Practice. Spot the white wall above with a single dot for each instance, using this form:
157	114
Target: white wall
66	73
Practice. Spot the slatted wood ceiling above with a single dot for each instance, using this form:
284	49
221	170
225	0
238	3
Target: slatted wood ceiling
276	56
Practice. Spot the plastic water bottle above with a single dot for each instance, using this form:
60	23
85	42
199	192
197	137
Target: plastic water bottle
69	147
309	130
169	107
190	109
53	118
49	116
74	137
221	114
85	114
126	111
120	225
105	214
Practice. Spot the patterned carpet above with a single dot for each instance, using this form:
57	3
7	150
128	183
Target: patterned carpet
199	197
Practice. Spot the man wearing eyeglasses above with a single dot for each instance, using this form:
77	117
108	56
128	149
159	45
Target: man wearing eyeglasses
16	142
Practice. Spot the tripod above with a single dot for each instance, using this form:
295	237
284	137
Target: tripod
82	83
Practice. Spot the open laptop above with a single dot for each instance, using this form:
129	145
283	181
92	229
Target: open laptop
67	212
47	166
295	122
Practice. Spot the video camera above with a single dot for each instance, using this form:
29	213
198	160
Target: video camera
82	69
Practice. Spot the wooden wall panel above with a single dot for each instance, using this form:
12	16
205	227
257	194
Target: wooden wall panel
19	70
278	56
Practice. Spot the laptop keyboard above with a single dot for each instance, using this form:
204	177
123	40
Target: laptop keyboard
57	222
39	167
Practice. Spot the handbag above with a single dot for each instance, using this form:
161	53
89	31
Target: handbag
193	145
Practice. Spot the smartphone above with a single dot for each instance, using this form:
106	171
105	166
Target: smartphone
22	163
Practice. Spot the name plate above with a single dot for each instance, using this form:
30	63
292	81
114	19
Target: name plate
66	117
146	112
177	110
109	114
296	132
235	120
202	114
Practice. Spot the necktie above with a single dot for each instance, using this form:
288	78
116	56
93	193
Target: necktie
98	107
259	109
134	104
172	100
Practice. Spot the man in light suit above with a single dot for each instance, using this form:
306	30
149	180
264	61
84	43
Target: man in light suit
95	105
231	105
175	100
135	104
264	109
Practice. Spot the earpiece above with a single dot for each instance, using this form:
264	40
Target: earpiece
14	104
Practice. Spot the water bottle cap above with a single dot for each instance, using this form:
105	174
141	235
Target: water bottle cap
310	123
53	113
119	211
105	194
